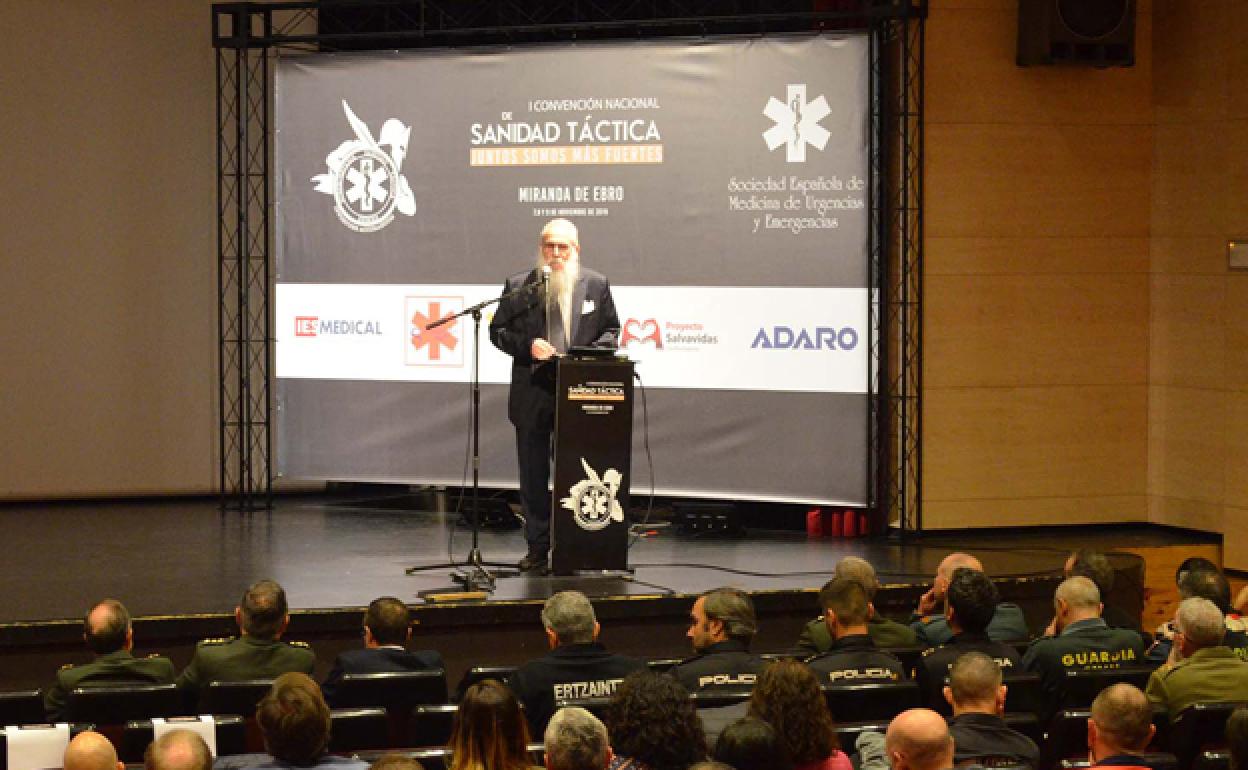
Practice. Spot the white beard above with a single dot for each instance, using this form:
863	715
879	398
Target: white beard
562	282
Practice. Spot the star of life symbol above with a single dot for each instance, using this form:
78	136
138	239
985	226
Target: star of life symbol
365	179
592	499
797	123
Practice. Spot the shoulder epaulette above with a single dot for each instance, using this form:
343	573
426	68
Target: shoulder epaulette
67	667
218	640
304	645
929	650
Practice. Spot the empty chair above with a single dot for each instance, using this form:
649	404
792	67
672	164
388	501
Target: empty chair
358	729
231	738
870	702
430	725
116	704
481	673
234	697
1199	727
1080	688
21	707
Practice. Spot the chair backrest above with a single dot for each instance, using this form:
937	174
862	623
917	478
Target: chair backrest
1023	693
909	656
868	702
21	707
1080	688
430	725
235	697
662	665
847	732
1159	760
480	674
115	703
1212	760
358	729
596	706
138	733
710	699
1199	727
391	690
1026	723
74	729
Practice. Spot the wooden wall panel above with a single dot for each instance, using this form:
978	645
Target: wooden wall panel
1036	255
1187	330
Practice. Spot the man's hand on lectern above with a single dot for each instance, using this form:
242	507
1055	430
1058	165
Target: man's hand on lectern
541	350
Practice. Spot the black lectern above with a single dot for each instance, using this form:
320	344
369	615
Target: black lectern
593	452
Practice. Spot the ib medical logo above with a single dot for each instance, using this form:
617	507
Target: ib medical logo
315	326
439	346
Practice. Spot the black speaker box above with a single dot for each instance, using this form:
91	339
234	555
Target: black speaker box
1095	33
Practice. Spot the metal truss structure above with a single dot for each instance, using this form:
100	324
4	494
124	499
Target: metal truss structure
248	35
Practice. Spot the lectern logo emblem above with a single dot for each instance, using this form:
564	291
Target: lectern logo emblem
365	179
592	500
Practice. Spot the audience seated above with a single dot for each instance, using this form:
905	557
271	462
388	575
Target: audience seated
577	666
852	658
884	632
490	732
978	699
576	740
722	623
108	632
653	724
751	744
970	601
1120	727
262	617
787	697
1205	670
178	750
917	739
1209	583
1082	642
294	723
1096	567
1237	738
1007	625
387	630
91	751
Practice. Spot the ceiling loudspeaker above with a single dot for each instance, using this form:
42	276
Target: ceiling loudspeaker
1090	33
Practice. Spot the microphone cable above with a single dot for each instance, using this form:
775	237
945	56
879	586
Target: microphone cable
637	529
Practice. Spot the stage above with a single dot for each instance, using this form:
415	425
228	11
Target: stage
180	566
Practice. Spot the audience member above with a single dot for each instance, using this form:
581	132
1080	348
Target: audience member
178	750
919	739
852	656
653	724
787	697
1083	641
751	744
395	762
489	732
929	624
1205	670
1120	727
970	601
1095	566
1205	583
721	626
577	666
91	751
262	617
387	630
815	637
1237	738
576	740
978	728
108	633
294	724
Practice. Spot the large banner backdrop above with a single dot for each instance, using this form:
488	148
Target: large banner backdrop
719	184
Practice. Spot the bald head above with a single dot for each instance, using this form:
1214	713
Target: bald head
107	627
91	751
956	561
919	739
1121	721
178	750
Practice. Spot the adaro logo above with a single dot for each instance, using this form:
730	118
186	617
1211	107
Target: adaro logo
365	179
641	334
438	346
797	123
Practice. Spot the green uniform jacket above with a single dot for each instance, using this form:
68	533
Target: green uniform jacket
242	658
816	638
119	667
1214	674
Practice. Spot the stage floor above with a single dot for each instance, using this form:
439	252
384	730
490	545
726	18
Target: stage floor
165	557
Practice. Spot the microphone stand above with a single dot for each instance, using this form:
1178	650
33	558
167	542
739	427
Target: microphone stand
476	577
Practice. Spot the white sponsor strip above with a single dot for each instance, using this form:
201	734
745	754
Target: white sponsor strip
716	338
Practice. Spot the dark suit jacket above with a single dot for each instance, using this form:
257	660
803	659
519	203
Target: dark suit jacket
520	320
375	661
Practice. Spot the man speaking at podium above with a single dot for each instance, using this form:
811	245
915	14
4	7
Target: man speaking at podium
568	306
